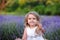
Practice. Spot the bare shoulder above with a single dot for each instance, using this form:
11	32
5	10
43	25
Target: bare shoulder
25	29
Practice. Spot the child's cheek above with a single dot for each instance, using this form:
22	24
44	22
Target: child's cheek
35	22
29	21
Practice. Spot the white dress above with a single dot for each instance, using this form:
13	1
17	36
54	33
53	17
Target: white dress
31	35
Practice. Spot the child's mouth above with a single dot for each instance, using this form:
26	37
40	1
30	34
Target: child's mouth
31	22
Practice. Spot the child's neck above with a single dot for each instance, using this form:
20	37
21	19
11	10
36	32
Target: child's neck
32	26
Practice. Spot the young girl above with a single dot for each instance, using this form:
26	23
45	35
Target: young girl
33	29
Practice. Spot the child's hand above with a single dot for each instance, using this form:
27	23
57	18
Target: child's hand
17	39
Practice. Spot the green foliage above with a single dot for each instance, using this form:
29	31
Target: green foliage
54	35
40	9
9	31
47	7
22	11
22	2
12	7
57	9
50	9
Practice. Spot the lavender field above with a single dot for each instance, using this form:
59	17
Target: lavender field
13	26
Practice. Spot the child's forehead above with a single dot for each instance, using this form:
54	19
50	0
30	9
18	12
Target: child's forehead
31	15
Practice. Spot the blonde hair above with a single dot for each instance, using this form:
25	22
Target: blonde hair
37	17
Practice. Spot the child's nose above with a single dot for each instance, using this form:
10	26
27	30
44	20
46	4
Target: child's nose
32	19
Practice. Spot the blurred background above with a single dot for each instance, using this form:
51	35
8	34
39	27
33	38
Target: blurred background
21	7
12	14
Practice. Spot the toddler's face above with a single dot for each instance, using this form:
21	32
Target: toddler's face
32	20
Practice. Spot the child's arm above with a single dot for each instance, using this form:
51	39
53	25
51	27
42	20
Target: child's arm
24	35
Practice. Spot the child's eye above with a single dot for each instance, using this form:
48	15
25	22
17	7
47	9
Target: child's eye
34	18
29	18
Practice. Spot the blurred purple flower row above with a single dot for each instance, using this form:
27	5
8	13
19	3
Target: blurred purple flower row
50	23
